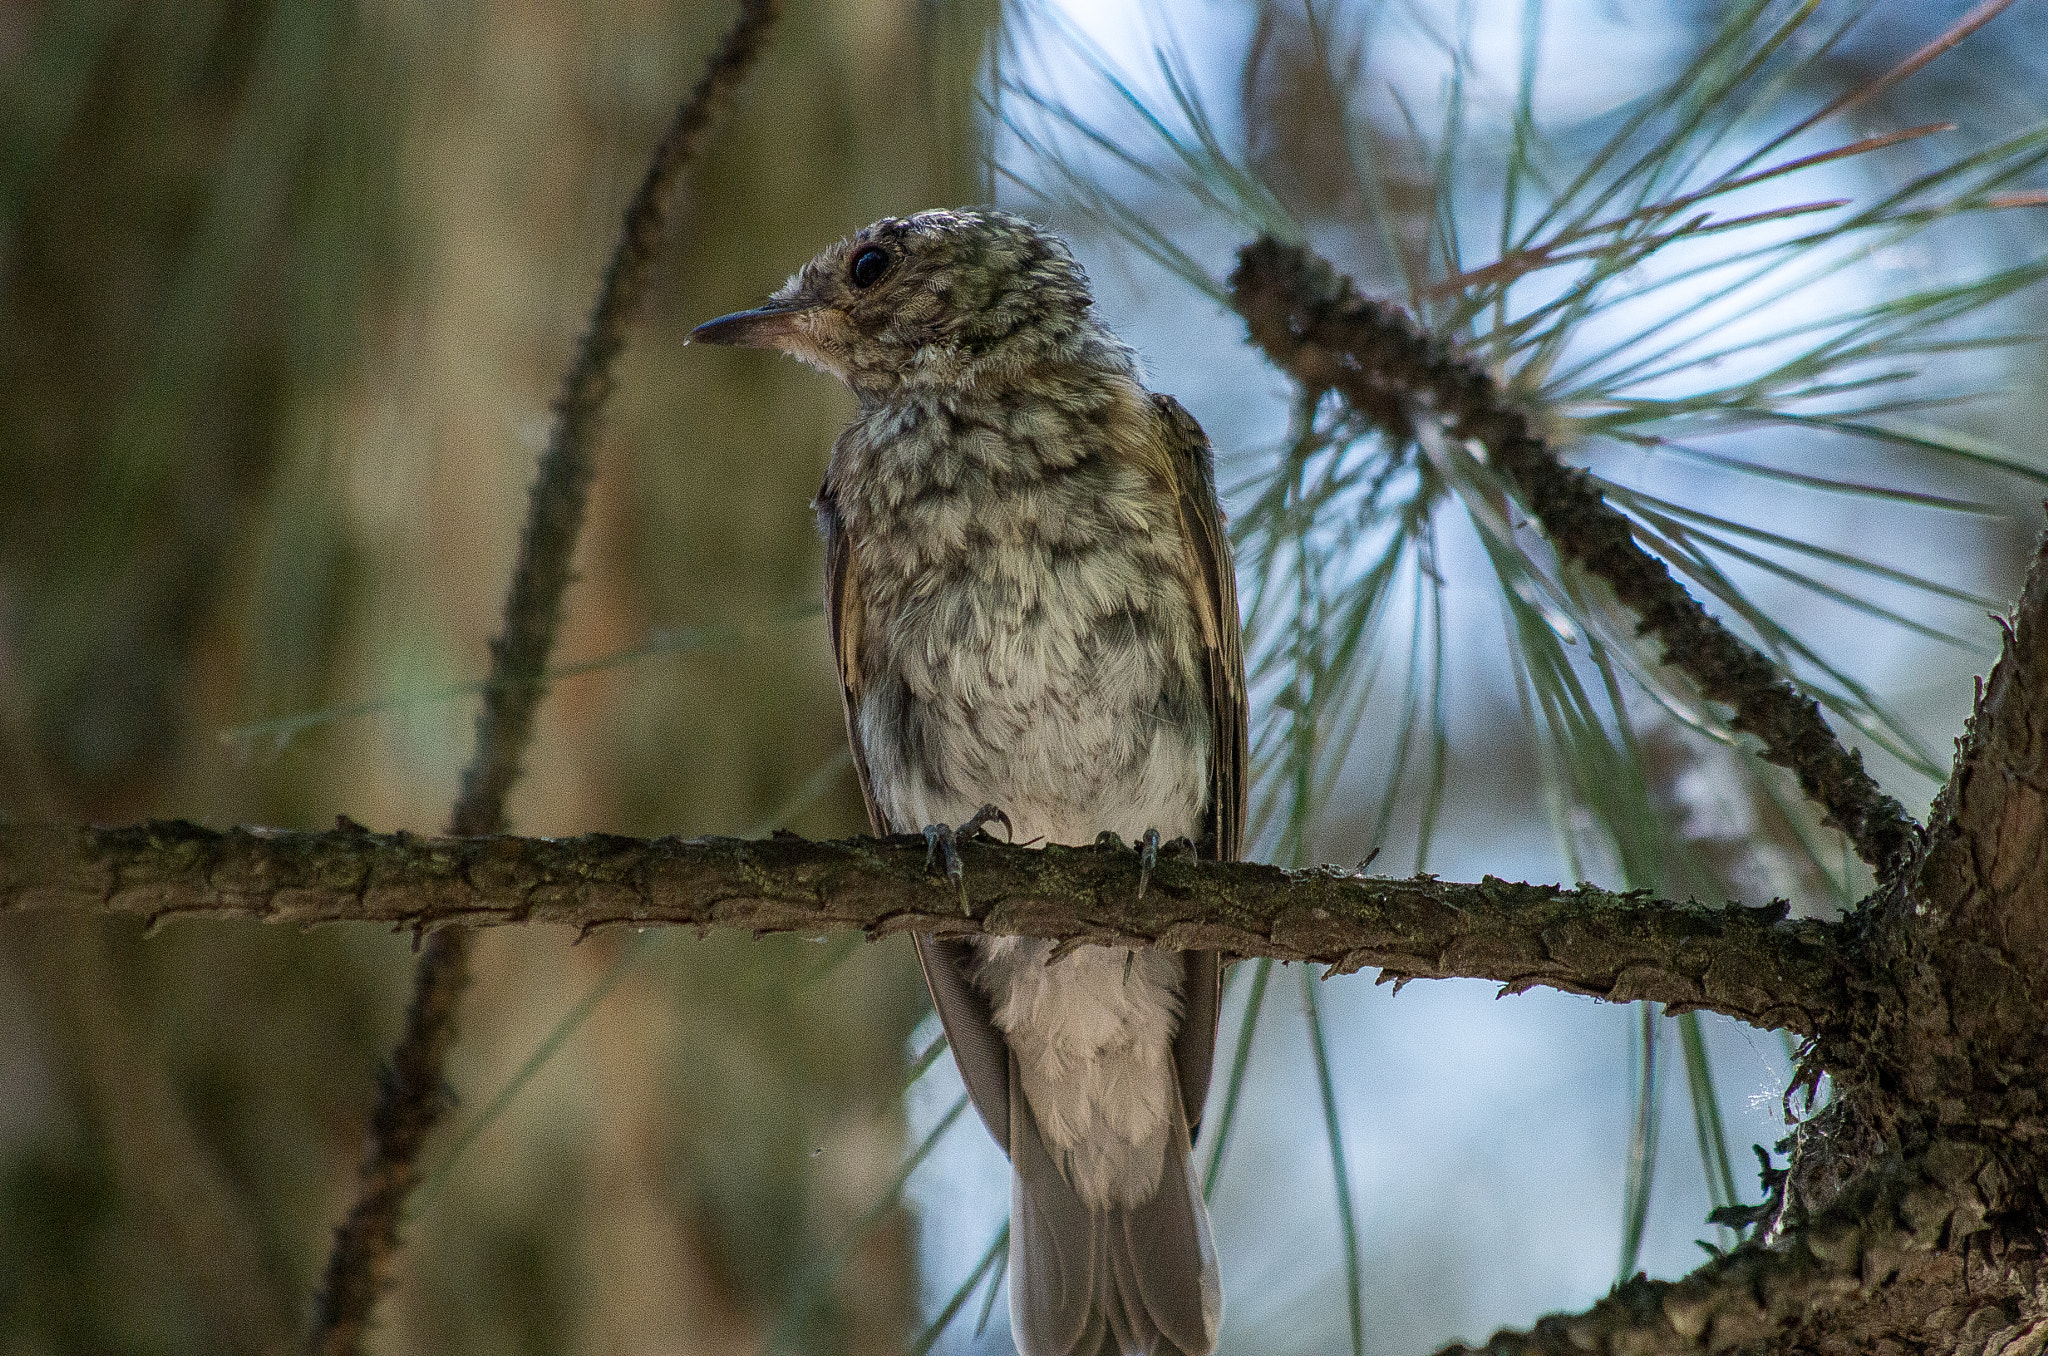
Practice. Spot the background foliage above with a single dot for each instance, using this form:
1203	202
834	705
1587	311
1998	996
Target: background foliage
285	289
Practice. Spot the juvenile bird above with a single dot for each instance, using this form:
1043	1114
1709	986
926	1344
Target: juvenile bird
1035	620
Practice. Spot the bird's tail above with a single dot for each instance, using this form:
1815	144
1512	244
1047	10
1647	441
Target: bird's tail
1138	1280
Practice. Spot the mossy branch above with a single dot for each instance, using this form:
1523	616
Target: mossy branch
1751	963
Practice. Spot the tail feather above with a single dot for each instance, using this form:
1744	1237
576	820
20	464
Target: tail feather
1056	1253
1166	1261
1095	1282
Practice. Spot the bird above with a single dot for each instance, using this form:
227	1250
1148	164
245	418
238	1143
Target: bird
1033	612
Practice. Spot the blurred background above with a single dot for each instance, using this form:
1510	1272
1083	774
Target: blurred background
285	290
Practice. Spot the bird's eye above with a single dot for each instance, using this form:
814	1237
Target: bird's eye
869	265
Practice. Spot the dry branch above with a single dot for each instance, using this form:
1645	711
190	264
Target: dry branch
1751	963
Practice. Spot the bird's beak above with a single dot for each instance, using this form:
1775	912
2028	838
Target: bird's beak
770	326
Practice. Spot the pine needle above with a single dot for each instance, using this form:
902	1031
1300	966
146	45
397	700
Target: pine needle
1326	1087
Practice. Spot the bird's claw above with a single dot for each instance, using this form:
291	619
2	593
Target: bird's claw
943	842
1148	857
938	839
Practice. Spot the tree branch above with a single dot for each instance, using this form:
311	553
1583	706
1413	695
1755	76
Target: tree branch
1318	330
1751	963
1959	950
1987	859
410	1094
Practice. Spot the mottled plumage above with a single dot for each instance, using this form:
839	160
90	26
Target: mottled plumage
1032	606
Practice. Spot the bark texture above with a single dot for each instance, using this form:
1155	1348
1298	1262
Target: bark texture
1751	963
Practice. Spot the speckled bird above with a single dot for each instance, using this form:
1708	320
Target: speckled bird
1035	622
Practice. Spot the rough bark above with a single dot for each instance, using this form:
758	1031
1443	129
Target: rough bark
1913	1215
1751	963
1894	1230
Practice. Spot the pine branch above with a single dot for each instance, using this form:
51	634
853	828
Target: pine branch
1959	950
1987	857
410	1095
1316	328
1751	963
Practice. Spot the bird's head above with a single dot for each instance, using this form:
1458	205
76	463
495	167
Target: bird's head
939	299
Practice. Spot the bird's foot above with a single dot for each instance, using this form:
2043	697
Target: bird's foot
1148	857
941	841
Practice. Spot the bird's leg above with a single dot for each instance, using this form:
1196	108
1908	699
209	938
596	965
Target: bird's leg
1148	857
942	840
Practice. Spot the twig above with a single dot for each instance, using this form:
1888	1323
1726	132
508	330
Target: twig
555	504
1314	326
1752	963
411	1095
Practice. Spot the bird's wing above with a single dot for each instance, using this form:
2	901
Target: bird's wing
843	618
978	1046
1212	586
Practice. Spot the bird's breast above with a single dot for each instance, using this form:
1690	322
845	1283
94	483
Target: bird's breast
1028	636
